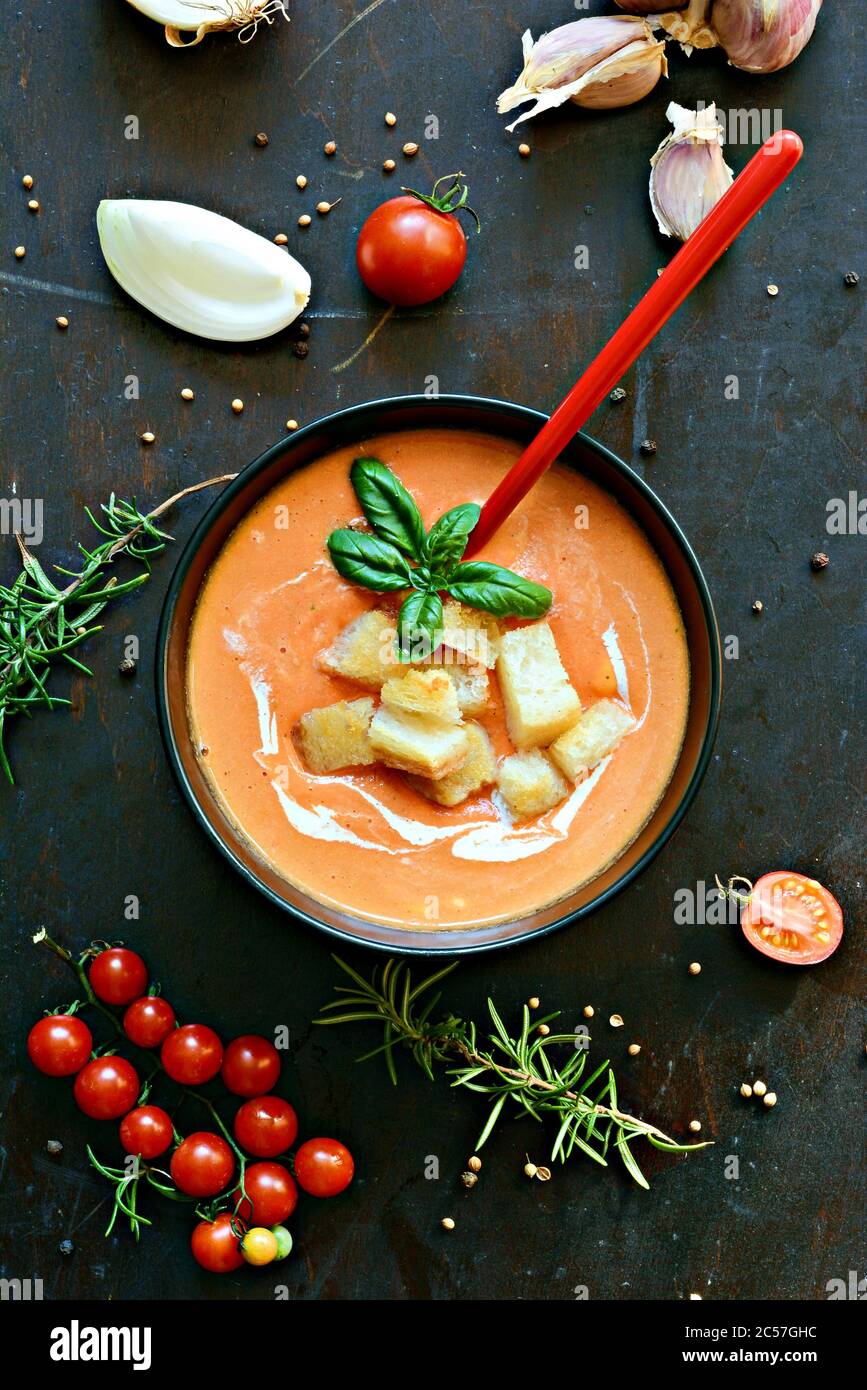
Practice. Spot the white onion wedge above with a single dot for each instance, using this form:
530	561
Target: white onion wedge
200	271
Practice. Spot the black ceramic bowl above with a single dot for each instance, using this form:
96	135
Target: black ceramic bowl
459	412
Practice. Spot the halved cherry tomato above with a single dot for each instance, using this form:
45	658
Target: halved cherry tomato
792	918
106	1088
272	1191
412	249
215	1245
149	1020
202	1164
251	1066
324	1167
60	1044
146	1131
192	1054
266	1126
117	976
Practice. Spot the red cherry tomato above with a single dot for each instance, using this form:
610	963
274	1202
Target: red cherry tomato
272	1191
106	1088
324	1167
266	1126
202	1164
149	1020
792	918
146	1131
215	1246
117	976
251	1066
60	1044
192	1054
412	249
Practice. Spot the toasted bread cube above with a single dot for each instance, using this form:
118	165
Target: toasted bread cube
478	770
425	691
540	702
530	784
364	651
596	734
472	687
472	632
417	743
336	736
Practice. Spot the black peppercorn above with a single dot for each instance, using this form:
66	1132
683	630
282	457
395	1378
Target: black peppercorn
851	277
618	394
304	330
758	606
66	1247
54	1146
300	349
647	447
261	139
819	560
127	667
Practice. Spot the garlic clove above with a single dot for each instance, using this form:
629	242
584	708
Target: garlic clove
690	25
764	35
201	17
609	60
200	271
688	174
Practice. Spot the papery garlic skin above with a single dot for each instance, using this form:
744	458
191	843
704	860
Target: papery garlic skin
688	174
200	271
603	62
691	25
201	17
649	6
764	35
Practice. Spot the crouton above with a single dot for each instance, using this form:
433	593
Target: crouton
417	743
540	702
530	784
471	686
364	651
472	632
336	736
423	691
478	770
596	734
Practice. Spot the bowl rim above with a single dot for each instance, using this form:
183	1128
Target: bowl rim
358	412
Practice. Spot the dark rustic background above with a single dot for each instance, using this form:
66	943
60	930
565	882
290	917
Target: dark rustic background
95	816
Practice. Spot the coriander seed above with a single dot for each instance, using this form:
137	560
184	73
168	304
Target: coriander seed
543	1174
758	606
281	239
695	1126
770	1099
524	151
410	149
695	968
589	1011
237	405
543	1030
773	291
324	208
188	394
62	321
147	437
261	139
304	330
390	118
291	425
616	1021
330	147
20	253
534	1002
27	181
301	181
305	219
447	1223
388	165
633	1049
530	1169
759	1088
54	1146
33	204
746	1090
474	1164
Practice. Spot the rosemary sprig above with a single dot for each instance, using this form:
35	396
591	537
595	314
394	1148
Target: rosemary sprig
41	622
504	1068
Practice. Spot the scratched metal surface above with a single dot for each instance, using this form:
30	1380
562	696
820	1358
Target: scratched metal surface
95	817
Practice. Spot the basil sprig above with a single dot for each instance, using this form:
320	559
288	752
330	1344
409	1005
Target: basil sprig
382	561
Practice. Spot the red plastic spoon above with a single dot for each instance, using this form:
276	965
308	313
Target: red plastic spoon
750	191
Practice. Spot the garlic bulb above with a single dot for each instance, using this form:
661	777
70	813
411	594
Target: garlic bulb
612	60
688	174
764	35
201	17
757	35
200	271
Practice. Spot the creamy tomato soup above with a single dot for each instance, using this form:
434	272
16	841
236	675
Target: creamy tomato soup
364	841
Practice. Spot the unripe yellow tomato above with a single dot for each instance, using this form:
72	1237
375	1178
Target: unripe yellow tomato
259	1246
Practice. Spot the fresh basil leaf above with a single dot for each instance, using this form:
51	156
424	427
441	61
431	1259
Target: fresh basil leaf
368	561
496	590
447	539
388	506
419	626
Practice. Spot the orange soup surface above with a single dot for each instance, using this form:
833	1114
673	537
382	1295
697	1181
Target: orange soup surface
364	841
